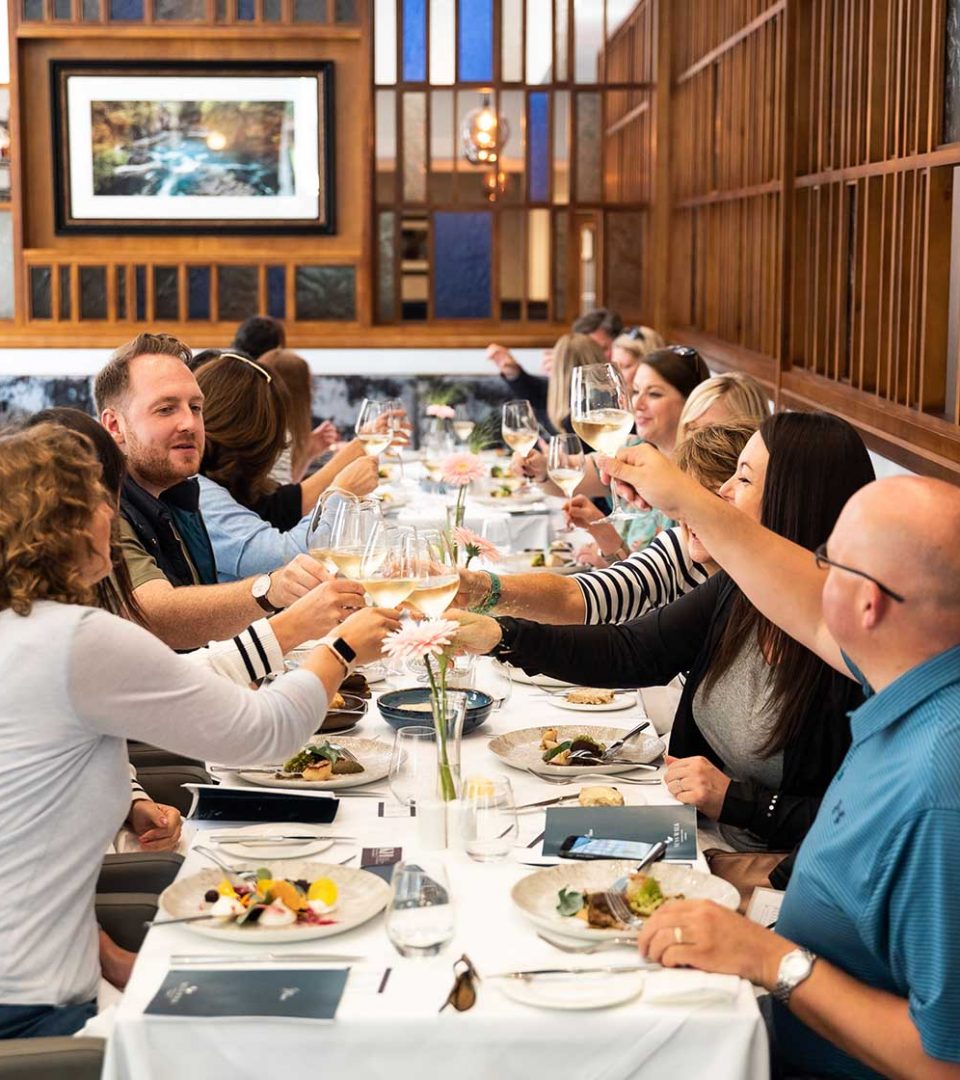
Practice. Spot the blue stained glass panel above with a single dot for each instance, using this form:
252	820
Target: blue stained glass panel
126	10
245	10
475	40
538	140
462	252
277	291
198	292
414	40
140	278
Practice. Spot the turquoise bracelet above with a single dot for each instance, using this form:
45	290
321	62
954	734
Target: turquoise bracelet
492	598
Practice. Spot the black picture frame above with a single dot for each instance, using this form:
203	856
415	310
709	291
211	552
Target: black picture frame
66	223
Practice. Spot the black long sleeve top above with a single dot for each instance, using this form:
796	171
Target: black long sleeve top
682	638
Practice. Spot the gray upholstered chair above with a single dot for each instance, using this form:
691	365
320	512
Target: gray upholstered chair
60	1058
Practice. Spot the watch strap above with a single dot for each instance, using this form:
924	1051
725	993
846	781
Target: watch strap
262	600
785	986
342	650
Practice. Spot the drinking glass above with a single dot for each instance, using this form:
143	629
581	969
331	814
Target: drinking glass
488	818
600	414
493	678
399	425
565	465
373	427
462	424
388	569
438	579
413	764
356	533
519	426
420	918
320	530
438	445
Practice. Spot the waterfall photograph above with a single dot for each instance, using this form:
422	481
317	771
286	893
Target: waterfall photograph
207	148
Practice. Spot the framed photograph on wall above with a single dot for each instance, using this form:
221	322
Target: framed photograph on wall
189	147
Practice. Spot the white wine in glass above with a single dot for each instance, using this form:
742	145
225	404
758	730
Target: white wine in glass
388	568
434	595
356	535
462	424
600	414
519	426
320	531
565	463
438	579
373	428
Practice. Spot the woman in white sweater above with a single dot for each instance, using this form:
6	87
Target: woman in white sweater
78	682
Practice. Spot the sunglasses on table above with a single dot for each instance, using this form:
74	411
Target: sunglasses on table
823	562
463	996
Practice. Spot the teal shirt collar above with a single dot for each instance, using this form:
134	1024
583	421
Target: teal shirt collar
904	694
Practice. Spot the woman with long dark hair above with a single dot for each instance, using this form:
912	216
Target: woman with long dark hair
758	732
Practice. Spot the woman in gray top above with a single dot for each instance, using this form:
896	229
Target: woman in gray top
79	681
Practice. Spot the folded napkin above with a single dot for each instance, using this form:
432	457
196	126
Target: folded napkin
674	986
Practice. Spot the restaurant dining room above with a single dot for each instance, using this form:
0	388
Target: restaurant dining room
479	499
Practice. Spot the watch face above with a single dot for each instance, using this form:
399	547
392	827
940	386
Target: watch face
794	966
261	586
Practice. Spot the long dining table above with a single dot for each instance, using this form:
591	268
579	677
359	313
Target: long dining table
388	1024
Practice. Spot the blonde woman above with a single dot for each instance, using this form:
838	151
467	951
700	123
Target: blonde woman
631	347
571	351
78	682
724	399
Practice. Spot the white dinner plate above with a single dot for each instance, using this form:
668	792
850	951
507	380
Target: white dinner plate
390	499
361	896
519	563
512	501
253	849
521	749
598	991
536	894
372	754
520	676
620	701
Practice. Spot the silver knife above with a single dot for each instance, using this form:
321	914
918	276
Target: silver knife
535	973
240	838
619	744
547	802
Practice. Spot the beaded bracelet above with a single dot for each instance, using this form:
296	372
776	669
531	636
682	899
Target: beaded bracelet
490	601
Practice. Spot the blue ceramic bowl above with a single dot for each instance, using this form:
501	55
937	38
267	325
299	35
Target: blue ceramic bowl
479	707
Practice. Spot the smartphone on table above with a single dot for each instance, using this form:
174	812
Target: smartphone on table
593	847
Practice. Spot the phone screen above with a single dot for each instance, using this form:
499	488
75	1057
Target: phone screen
590	847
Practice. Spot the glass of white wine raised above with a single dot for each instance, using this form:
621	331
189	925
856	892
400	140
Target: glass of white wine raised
320	530
565	465
355	537
519	426
388	568
373	428
601	416
438	579
462	424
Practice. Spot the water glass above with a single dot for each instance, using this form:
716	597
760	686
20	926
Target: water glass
488	818
413	764
493	678
420	918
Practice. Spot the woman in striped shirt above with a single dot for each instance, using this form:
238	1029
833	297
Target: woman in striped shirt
665	569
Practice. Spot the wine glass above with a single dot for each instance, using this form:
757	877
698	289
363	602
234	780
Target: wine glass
519	426
565	465
488	818
388	569
373	427
420	917
356	529
493	678
438	579
462	424
438	445
600	414
398	425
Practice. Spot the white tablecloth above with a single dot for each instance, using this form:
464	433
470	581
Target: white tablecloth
398	1034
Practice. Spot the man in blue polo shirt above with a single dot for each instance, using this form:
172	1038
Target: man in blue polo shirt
865	964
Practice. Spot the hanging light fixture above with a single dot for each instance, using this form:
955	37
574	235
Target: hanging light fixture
483	133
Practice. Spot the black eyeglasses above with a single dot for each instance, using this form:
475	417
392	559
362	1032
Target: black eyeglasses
823	562
635	333
463	996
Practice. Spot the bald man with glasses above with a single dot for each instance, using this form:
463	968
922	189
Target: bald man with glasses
863	966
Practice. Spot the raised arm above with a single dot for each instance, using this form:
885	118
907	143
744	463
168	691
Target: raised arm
778	577
545	598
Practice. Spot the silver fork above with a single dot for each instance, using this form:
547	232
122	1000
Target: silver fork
589	950
565	781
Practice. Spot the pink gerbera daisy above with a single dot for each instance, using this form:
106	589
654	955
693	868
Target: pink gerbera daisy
441	412
417	640
459	470
475	545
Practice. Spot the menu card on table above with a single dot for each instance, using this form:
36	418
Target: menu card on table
295	992
649	824
214	802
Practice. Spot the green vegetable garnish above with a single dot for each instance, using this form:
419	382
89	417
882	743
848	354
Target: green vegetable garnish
302	759
548	755
264	873
643	894
569	902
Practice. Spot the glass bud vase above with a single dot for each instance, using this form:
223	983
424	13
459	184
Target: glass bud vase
449	712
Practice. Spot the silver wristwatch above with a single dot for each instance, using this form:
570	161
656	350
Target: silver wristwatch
794	968
259	590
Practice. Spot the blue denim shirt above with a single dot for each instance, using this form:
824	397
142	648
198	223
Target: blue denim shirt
876	886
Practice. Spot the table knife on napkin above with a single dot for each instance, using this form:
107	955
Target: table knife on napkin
539	973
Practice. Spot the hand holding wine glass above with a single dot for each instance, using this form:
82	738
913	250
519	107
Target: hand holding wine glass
373	427
437	574
600	413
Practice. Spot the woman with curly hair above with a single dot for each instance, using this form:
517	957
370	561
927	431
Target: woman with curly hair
78	681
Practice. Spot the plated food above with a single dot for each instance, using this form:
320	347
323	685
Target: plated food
325	764
538	895
307	900
642	895
594	699
527	748
600	796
